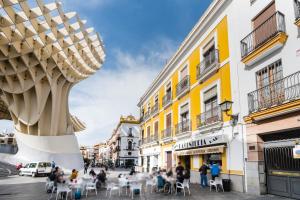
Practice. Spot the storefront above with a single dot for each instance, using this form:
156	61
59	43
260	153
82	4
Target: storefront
193	153
150	158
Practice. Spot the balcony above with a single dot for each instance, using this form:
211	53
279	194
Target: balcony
183	127
147	115
183	86
264	40
208	66
276	98
166	134
155	109
210	120
297	12
146	140
167	100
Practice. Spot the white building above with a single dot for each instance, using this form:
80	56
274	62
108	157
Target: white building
265	52
124	143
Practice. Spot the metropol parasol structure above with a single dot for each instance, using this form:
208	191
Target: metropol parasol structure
44	52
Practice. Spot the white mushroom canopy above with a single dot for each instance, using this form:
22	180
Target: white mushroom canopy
43	53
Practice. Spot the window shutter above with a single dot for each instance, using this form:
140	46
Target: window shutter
210	93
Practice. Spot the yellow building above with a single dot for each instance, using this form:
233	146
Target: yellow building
180	113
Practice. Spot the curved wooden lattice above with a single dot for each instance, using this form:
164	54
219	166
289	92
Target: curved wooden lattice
43	53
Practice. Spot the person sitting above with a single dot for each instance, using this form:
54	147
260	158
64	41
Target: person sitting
102	177
160	181
215	170
169	173
74	175
186	174
92	173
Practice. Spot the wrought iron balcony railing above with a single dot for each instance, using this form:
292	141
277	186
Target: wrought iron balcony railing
147	115
259	36
275	94
209	62
167	133
209	117
183	86
155	109
183	127
297	9
167	99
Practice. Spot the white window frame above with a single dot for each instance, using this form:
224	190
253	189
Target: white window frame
179	109
187	65
214	37
165	121
216	83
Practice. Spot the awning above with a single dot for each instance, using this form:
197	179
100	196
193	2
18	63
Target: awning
207	150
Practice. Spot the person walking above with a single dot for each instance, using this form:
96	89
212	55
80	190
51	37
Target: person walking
53	165
86	166
215	170
203	174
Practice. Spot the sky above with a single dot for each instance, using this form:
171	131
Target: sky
139	37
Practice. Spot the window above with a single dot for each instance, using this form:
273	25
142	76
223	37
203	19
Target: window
143	133
184	112
211	105
156	128
271	27
184	72
169	120
270	88
148	131
169	88
156	99
130	132
32	165
129	153
209	55
129	145
213	158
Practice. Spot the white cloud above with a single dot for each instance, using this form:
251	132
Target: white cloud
115	90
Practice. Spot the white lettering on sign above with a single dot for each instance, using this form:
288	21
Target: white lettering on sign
199	143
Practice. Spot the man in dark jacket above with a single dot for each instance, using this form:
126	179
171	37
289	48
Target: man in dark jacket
203	174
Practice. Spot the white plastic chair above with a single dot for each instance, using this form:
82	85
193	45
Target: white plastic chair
123	184
112	187
90	187
151	183
185	184
49	184
135	186
62	188
216	183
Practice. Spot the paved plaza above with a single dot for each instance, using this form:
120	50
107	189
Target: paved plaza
28	188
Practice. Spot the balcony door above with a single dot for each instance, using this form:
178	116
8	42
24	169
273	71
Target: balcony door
156	130
270	85
209	54
211	105
264	24
184	118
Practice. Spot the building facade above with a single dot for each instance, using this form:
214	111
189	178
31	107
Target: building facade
181	117
124	142
267	91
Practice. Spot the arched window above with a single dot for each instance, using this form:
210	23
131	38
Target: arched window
129	145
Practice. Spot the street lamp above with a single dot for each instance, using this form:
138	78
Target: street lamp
226	107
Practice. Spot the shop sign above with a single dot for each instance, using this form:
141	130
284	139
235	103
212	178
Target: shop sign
208	150
296	151
200	142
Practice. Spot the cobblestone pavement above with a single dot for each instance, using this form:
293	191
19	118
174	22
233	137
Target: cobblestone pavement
27	188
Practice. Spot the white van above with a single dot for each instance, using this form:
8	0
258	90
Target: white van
36	168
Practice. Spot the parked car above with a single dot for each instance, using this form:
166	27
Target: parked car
36	169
